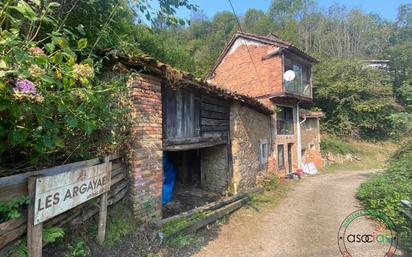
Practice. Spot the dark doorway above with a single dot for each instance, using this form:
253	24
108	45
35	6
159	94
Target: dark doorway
188	192
290	157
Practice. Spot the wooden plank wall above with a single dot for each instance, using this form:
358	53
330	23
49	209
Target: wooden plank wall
193	114
181	113
15	228
214	115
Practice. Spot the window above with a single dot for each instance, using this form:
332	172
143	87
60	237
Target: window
264	150
301	84
284	121
281	157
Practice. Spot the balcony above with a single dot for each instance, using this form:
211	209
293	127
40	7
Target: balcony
284	127
298	88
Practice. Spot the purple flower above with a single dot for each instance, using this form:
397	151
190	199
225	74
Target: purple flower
24	86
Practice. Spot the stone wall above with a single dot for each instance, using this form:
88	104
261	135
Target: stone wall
146	147
214	168
310	132
248	128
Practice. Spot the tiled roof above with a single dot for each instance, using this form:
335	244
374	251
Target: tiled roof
271	39
176	78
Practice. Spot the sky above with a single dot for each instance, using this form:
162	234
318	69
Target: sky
386	8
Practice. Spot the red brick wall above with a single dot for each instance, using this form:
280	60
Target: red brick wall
146	147
236	71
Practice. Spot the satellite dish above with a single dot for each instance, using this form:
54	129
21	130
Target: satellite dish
289	75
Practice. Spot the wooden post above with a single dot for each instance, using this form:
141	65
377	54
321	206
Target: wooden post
103	210
34	232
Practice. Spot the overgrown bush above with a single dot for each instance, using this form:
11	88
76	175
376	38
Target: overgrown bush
357	101
384	191
336	146
53	107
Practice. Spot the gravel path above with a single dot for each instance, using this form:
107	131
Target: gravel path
304	223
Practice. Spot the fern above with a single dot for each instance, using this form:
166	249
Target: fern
12	209
51	234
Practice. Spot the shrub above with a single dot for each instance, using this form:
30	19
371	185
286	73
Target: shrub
53	106
384	191
336	146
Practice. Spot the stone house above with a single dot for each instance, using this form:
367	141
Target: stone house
311	137
256	66
217	140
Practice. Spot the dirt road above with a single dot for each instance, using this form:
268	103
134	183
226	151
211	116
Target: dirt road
304	223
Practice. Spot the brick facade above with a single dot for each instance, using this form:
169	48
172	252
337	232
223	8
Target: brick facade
248	130
237	72
146	147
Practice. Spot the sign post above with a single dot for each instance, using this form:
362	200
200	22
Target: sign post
53	195
34	232
103	211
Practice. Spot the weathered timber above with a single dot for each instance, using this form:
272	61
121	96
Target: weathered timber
211	206
16	185
213	122
193	140
214	101
217	214
205	128
214	115
214	108
103	209
34	232
183	147
13	229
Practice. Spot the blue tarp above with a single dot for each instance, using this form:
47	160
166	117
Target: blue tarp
169	177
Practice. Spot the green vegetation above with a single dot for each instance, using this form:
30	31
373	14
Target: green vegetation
119	224
175	226
12	209
269	198
50	235
271	183
78	249
357	101
365	155
52	89
181	241
384	191
336	146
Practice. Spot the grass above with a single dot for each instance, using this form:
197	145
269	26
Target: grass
269	198
384	191
367	155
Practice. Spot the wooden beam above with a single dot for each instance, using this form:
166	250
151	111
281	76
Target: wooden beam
103	209
211	206
216	215
34	232
174	148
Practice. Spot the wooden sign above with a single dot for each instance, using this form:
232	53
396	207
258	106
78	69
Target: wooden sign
57	194
53	195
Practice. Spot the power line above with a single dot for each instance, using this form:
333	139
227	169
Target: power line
247	47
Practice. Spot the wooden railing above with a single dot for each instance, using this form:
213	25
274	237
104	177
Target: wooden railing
16	185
